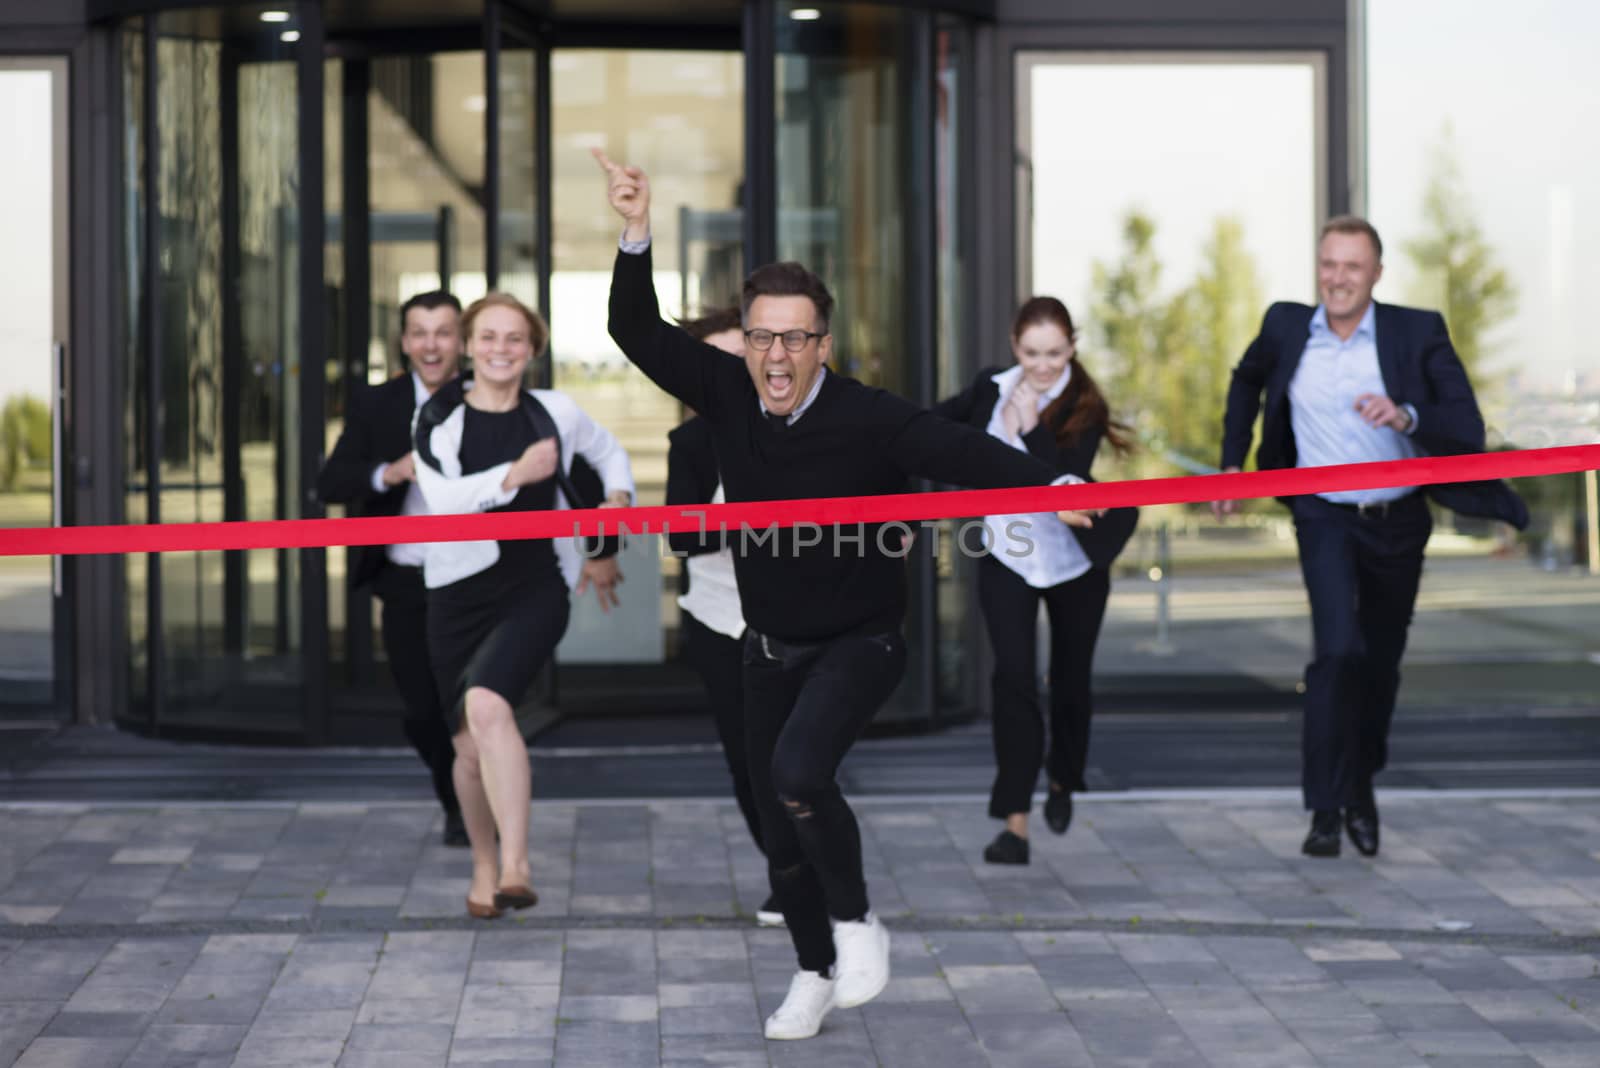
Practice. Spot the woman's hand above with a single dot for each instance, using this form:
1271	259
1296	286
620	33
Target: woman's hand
1022	410
537	463
606	577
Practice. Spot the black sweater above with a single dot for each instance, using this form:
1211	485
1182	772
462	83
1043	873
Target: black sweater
854	440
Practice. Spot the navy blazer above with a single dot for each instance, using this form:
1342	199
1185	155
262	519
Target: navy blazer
974	406
377	429
1419	367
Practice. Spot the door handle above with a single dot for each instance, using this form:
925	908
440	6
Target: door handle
58	408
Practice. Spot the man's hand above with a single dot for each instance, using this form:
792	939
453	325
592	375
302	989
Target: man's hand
537	463
1377	410
617	499
628	190
606	577
1222	509
400	471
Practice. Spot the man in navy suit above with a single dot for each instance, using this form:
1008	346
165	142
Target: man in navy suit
370	469
1352	381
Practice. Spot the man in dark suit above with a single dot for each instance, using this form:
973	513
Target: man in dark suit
371	469
1352	381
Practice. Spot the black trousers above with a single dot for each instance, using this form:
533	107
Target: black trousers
719	660
1361	574
804	707
1011	610
405	640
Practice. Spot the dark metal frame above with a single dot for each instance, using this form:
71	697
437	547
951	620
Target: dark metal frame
760	200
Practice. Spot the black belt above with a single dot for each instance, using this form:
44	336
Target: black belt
1374	509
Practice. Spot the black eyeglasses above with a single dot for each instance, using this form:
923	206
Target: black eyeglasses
793	340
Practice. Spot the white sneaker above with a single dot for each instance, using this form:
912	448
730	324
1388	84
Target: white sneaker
800	1016
769	915
862	970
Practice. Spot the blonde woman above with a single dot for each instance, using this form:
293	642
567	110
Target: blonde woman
497	609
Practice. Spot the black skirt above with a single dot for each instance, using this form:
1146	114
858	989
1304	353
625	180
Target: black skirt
496	629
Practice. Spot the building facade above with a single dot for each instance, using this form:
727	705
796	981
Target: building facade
237	197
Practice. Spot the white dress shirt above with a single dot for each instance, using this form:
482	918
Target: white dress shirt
1333	372
1043	552
713	596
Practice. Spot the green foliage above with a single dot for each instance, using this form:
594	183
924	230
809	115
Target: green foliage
1457	269
1168	357
24	438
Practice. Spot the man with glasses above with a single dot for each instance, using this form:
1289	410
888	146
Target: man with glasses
823	605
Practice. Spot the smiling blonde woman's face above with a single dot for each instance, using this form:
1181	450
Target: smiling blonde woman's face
501	345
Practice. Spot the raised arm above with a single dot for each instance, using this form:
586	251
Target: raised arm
687	368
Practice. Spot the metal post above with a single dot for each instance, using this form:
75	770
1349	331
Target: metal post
1161	575
1591	495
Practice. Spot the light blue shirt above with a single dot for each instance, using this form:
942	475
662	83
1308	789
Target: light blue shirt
1333	372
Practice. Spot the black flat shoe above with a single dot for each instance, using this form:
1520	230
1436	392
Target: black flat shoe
1007	848
515	897
1058	811
1323	841
455	831
1362	826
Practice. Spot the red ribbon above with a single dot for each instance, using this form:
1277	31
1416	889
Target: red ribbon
906	507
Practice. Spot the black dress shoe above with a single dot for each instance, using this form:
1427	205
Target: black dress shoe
1007	848
1362	826
1323	841
1058	811
455	831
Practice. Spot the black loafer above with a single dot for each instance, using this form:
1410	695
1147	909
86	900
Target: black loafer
1362	826
1323	841
1058	811
1007	848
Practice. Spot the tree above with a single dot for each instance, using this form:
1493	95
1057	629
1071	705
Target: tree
24	437
1224	306
1170	357
1456	267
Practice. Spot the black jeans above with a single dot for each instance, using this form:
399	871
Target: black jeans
719	660
1362	575
804	707
1011	610
405	640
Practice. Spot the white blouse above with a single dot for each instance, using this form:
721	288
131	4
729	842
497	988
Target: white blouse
449	492
1037	546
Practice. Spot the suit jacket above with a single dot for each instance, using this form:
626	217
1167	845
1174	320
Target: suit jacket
1419	367
974	406
377	430
692	477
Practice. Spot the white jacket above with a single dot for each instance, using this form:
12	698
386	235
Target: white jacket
449	492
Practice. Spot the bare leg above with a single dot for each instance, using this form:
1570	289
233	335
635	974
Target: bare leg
1017	824
478	817
507	779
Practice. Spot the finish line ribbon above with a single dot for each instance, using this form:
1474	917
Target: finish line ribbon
906	507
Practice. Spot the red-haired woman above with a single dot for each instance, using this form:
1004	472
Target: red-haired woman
1044	403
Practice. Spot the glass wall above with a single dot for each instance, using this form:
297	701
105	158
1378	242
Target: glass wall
1136	210
1483	188
844	128
217	360
679	115
33	186
425	170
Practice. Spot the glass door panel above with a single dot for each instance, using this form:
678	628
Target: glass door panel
32	368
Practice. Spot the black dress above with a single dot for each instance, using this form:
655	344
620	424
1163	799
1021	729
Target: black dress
497	628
